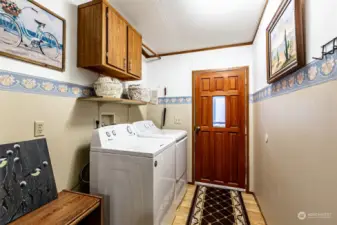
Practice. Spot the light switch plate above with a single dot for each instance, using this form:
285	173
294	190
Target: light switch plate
38	128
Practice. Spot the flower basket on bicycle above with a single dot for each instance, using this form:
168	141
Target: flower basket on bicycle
10	7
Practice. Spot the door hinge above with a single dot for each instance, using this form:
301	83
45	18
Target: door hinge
107	54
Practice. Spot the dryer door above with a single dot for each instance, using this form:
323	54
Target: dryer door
181	158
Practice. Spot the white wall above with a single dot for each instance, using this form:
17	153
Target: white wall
175	72
294	166
320	23
67	10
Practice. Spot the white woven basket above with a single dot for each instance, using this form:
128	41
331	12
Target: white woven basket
107	86
138	93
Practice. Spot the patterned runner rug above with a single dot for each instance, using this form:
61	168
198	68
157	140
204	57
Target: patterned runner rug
214	206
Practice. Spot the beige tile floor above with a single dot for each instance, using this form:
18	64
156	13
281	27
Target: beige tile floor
253	210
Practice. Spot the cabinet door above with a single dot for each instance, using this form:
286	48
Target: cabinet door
134	52
116	40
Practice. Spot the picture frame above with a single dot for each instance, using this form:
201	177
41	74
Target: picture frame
31	33
286	40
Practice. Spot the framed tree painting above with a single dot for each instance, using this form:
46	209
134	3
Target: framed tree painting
286	40
30	32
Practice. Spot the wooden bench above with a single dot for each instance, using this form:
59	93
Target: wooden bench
70	208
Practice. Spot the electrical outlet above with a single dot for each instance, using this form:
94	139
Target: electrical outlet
177	120
38	128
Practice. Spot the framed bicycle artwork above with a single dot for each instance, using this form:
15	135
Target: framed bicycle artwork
29	32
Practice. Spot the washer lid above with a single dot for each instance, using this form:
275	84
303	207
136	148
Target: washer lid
175	134
147	128
143	147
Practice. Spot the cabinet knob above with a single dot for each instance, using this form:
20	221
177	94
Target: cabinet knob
155	163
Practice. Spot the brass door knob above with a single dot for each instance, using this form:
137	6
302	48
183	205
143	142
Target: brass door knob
197	129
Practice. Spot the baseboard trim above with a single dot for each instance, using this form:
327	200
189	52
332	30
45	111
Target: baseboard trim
219	186
258	204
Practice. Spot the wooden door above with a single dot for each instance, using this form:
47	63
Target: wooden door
117	41
134	52
220	122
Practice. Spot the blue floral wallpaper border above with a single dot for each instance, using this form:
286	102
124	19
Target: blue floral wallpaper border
317	72
18	82
175	100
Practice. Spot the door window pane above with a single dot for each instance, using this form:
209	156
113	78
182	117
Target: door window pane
219	111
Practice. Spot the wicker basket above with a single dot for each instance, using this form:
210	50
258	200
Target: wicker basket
138	93
107	86
10	7
11	12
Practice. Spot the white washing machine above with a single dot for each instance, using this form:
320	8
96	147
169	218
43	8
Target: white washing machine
148	129
135	176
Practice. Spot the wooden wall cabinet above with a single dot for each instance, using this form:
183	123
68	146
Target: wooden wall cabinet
107	43
134	52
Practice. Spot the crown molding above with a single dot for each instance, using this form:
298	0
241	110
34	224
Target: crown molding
260	20
144	52
203	49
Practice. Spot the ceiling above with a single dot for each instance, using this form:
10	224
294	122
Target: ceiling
179	25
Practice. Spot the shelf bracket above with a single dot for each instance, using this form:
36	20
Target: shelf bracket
100	104
129	113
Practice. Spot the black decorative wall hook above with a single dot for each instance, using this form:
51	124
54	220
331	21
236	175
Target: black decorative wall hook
324	49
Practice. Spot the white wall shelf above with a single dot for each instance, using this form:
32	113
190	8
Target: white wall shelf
107	99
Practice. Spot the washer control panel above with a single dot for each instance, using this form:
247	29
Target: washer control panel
113	134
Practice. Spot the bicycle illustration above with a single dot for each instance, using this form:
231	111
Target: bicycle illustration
13	32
